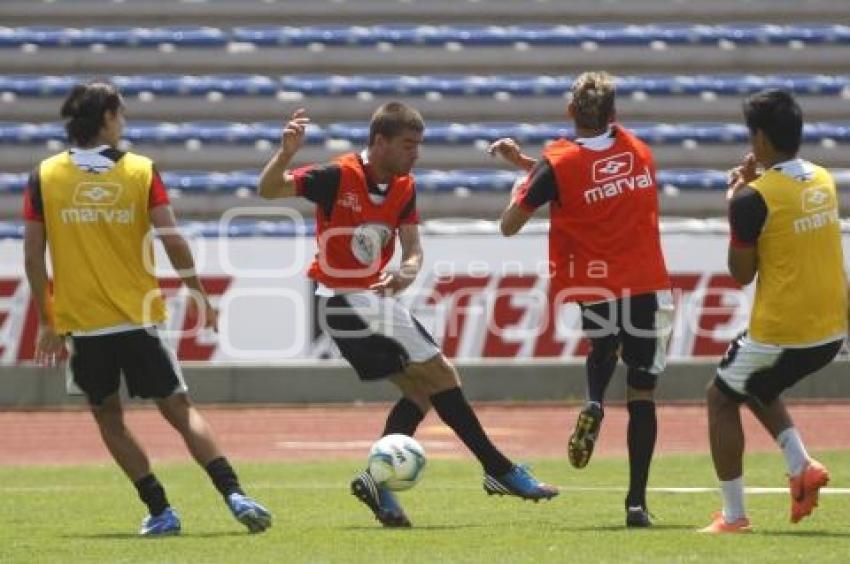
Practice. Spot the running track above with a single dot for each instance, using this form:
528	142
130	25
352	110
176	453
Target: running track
330	431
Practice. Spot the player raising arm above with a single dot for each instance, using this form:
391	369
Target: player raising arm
605	252
785	234
363	202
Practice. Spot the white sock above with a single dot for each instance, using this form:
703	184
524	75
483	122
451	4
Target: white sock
733	499
792	447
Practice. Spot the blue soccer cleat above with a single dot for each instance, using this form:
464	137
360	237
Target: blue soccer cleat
519	482
250	513
380	500
164	524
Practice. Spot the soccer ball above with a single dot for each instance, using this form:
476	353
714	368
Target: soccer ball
397	461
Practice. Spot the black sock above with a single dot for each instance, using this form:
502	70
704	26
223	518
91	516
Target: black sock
453	409
599	373
152	494
223	477
403	418
642	431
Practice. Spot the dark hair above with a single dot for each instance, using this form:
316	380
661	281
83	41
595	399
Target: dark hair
84	108
776	113
394	118
593	99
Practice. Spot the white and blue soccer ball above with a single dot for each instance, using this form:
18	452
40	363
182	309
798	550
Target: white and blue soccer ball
397	461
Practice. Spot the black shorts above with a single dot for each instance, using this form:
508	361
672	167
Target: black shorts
635	327
756	370
149	367
377	335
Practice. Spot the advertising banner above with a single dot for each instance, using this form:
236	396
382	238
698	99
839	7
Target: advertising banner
481	295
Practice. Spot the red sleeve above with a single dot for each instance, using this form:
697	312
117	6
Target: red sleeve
33	203
158	193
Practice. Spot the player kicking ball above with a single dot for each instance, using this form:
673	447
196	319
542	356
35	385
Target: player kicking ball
364	201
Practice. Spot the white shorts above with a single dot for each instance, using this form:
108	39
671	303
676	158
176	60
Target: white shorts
762	371
376	334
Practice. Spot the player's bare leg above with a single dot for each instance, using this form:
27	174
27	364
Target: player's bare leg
128	453
806	476
726	437
178	410
119	439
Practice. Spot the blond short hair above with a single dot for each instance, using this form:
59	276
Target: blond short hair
593	99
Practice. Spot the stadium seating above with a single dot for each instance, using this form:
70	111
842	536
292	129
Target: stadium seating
446	85
427	181
437	133
413	34
208	83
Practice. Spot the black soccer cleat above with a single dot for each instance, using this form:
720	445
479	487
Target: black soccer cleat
380	500
638	517
584	436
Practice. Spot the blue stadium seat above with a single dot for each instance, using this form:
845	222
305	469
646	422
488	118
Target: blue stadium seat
697	131
439	133
190	85
427	181
11	230
329	85
755	33
220	132
187	36
270	131
286	35
57	36
448	85
12	182
483	180
405	34
44	36
109	35
203	181
28	133
28	85
149	132
692	179
745	33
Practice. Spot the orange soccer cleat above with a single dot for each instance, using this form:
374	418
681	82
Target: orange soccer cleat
720	526
805	488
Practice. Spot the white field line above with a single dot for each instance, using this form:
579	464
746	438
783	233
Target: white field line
342	485
351	445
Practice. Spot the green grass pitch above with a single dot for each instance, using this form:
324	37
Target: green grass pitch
91	514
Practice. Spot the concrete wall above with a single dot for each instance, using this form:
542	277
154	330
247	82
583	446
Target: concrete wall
336	382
